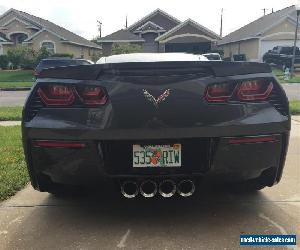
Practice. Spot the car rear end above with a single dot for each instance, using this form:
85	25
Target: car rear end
153	124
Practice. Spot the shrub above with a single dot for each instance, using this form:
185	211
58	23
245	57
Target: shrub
28	60
125	48
42	54
95	57
62	55
3	61
15	56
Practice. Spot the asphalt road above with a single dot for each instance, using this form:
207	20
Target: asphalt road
17	98
13	98
212	219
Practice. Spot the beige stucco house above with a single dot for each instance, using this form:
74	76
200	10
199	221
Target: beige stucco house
18	28
256	38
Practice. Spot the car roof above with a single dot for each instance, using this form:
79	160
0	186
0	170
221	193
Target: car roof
151	57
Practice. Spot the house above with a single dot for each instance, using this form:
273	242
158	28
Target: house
161	32
256	38
18	28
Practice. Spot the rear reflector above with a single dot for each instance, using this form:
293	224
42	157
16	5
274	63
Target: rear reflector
252	139
59	144
56	95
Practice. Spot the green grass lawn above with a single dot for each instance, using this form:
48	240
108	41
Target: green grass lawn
15	84
10	114
279	74
16	75
16	78
295	107
13	171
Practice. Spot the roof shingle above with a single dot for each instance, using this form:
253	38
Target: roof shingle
255	28
121	35
62	32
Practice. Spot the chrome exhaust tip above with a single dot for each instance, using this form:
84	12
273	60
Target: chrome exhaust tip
148	188
167	188
129	189
186	188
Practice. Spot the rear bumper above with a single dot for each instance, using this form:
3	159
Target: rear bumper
205	155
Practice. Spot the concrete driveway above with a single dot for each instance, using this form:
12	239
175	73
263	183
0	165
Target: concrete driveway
212	219
292	90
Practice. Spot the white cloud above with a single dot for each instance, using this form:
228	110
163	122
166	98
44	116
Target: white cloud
81	16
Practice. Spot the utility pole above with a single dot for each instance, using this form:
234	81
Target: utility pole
126	24
295	40
264	10
99	27
221	27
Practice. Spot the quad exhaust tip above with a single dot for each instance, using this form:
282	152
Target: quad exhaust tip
148	188
186	188
129	189
167	188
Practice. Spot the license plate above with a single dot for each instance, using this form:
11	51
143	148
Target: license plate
144	156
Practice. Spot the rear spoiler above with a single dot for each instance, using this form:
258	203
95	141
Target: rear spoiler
213	68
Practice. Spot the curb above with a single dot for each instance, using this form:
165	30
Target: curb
10	123
15	89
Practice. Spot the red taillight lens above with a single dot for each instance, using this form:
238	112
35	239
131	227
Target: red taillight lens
219	92
252	139
92	95
59	144
255	90
56	95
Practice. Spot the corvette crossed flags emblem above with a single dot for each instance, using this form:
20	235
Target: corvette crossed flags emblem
159	99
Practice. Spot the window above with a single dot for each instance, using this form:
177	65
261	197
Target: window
49	46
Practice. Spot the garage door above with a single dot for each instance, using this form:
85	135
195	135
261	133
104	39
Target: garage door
267	45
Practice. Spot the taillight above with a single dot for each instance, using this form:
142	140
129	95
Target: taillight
62	95
250	90
254	90
92	95
56	95
219	92
59	144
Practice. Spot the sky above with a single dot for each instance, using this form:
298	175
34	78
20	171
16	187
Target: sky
80	16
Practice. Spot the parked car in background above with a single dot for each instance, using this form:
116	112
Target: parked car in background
282	56
156	124
59	62
213	56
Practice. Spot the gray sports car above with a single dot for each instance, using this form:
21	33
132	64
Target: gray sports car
155	124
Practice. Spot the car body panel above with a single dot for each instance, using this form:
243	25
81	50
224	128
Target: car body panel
129	117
